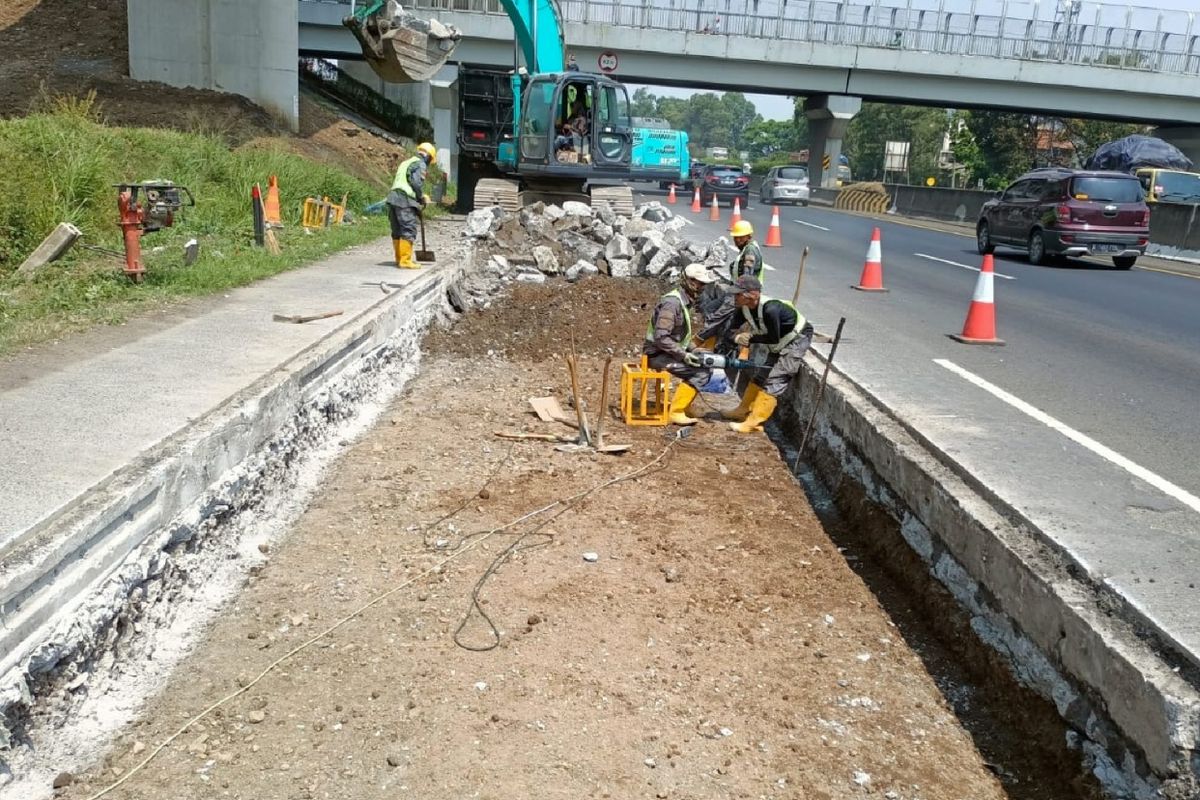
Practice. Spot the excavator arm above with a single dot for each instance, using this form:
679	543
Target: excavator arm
537	25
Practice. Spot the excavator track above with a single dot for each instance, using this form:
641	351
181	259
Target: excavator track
498	192
619	198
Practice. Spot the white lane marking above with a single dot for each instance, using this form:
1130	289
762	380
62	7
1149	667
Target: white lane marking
963	266
811	225
1158	482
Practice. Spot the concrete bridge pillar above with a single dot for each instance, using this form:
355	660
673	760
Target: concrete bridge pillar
828	117
1186	138
227	45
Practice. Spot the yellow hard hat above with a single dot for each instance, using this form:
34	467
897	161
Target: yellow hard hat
742	228
428	149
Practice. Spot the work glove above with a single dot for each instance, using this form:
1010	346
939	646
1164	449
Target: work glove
691	359
425	200
742	339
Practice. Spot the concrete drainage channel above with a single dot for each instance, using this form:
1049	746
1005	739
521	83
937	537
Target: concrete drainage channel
1133	717
97	612
99	603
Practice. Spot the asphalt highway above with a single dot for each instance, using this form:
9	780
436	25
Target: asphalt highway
1087	423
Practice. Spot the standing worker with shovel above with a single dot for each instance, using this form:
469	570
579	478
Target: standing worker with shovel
405	202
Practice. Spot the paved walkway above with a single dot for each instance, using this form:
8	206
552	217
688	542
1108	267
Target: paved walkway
72	414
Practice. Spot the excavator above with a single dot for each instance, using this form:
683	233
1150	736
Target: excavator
571	136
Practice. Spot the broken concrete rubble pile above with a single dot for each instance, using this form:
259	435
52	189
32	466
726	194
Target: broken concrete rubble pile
543	240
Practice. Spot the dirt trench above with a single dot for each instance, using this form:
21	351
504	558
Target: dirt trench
720	645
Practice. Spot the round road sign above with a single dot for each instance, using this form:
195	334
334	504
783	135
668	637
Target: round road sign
607	61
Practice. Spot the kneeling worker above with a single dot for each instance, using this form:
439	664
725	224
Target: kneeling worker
405	201
669	340
787	336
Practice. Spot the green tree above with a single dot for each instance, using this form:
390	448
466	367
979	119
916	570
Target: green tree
877	123
1089	134
1006	145
767	137
643	103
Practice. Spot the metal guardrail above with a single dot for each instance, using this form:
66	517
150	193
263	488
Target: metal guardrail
1068	32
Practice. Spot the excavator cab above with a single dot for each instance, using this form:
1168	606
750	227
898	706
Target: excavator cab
574	125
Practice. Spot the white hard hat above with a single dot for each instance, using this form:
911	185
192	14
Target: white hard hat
699	273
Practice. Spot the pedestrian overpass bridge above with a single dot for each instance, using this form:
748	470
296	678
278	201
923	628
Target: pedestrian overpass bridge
1079	58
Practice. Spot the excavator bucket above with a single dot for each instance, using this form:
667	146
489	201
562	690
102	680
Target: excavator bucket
400	46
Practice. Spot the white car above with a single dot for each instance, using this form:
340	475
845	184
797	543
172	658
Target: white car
786	184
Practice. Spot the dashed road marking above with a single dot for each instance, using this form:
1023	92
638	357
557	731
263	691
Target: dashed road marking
1157	481
963	266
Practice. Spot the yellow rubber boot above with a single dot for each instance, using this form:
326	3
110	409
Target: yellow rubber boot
396	249
405	260
684	395
760	412
743	410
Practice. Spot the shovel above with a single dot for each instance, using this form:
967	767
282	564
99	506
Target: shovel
601	447
424	254
585	438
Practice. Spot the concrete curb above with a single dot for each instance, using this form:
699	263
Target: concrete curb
1136	720
68	583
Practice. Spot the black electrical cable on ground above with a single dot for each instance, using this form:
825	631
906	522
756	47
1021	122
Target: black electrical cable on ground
518	545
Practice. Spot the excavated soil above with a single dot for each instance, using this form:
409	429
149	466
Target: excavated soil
692	631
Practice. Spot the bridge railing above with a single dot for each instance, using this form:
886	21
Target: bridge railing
1076	32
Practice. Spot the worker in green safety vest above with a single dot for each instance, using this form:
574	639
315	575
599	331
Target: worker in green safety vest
786	335
669	341
405	202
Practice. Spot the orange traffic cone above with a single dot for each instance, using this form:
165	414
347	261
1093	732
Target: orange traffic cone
737	213
696	208
872	274
714	213
271	207
774	234
980	326
671	195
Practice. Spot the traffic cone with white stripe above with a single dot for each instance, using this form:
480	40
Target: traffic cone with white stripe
774	233
737	212
714	213
872	274
671	195
696	207
980	326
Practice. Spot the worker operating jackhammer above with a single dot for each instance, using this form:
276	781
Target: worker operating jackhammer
785	333
717	302
406	201
668	344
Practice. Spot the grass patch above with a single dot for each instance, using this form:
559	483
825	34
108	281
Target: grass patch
60	166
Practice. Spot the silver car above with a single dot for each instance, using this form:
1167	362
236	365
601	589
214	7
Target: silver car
786	184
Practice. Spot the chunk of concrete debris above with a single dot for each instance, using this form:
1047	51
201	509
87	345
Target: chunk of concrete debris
619	247
482	222
52	248
636	229
653	212
601	231
620	267
574	208
581	269
531	277
554	212
498	264
721	253
547	262
62	780
605	213
591	558
660	263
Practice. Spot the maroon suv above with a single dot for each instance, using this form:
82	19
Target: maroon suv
1064	212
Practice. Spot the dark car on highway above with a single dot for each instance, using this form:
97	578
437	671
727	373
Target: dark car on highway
1053	213
725	183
